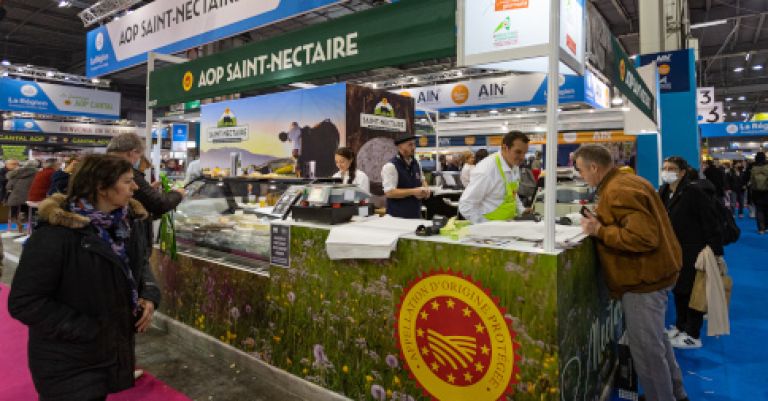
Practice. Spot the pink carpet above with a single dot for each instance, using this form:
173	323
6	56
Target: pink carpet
16	383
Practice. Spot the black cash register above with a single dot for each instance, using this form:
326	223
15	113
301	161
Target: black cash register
449	179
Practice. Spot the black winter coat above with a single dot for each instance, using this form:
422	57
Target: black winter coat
155	202
71	291
3	182
736	180
59	182
716	175
695	219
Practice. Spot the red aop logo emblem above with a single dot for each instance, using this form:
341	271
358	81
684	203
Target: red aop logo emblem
455	340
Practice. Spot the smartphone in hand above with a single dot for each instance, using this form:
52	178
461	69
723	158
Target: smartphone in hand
586	212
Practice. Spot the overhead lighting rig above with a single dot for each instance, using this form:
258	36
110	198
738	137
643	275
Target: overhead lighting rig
46	74
104	9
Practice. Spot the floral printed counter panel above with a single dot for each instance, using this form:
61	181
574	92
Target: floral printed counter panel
335	323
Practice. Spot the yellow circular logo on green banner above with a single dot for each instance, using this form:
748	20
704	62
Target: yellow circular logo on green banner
188	81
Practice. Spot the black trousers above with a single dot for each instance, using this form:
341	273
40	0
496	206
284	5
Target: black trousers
761	214
737	197
688	320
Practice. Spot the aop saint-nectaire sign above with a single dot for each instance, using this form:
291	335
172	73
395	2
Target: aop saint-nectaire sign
406	32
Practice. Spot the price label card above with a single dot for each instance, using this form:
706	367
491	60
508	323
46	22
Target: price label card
280	245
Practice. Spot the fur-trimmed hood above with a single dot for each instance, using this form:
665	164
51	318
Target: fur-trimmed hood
53	210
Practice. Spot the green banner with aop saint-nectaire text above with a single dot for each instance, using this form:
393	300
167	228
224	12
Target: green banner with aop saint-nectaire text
390	35
629	82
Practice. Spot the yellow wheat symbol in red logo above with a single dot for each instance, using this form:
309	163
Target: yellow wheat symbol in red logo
453	350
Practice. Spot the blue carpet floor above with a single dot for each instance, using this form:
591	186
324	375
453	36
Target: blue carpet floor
735	367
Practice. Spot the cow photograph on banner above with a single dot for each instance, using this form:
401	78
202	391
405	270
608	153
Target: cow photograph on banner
286	133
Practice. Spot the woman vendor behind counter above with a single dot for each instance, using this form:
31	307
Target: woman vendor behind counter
493	188
346	162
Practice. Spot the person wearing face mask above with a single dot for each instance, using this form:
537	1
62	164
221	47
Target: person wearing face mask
694	218
130	147
492	193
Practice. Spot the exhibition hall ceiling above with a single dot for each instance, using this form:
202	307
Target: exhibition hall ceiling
733	46
732	51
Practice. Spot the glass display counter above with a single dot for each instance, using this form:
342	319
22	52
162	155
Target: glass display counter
221	219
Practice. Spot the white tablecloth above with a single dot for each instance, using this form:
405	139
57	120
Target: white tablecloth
373	238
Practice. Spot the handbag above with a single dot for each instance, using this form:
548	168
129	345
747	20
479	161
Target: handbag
699	292
625	379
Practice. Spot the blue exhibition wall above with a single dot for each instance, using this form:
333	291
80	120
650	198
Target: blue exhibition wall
679	126
647	162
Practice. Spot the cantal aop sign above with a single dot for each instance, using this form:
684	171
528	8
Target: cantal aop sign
63	100
409	31
169	26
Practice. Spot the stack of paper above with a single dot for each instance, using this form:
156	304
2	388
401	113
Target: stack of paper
374	238
528	231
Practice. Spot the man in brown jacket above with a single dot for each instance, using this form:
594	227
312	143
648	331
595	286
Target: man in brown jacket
640	258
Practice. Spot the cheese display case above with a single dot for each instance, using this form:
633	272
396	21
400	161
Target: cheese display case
227	219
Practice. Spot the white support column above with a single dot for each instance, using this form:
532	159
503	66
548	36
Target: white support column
652	26
673	24
435	123
149	117
553	91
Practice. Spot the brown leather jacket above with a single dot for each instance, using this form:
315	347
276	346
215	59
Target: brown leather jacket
637	246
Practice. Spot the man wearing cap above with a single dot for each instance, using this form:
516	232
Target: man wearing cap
494	182
403	181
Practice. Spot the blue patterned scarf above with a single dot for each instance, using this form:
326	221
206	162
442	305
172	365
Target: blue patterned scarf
115	229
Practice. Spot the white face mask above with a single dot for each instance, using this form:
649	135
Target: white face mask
669	177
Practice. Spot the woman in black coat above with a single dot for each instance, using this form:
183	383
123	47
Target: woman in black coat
692	209
82	285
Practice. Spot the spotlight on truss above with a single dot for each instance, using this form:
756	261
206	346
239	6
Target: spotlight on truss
104	9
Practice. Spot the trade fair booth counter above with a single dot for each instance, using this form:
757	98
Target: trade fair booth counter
345	324
438	318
